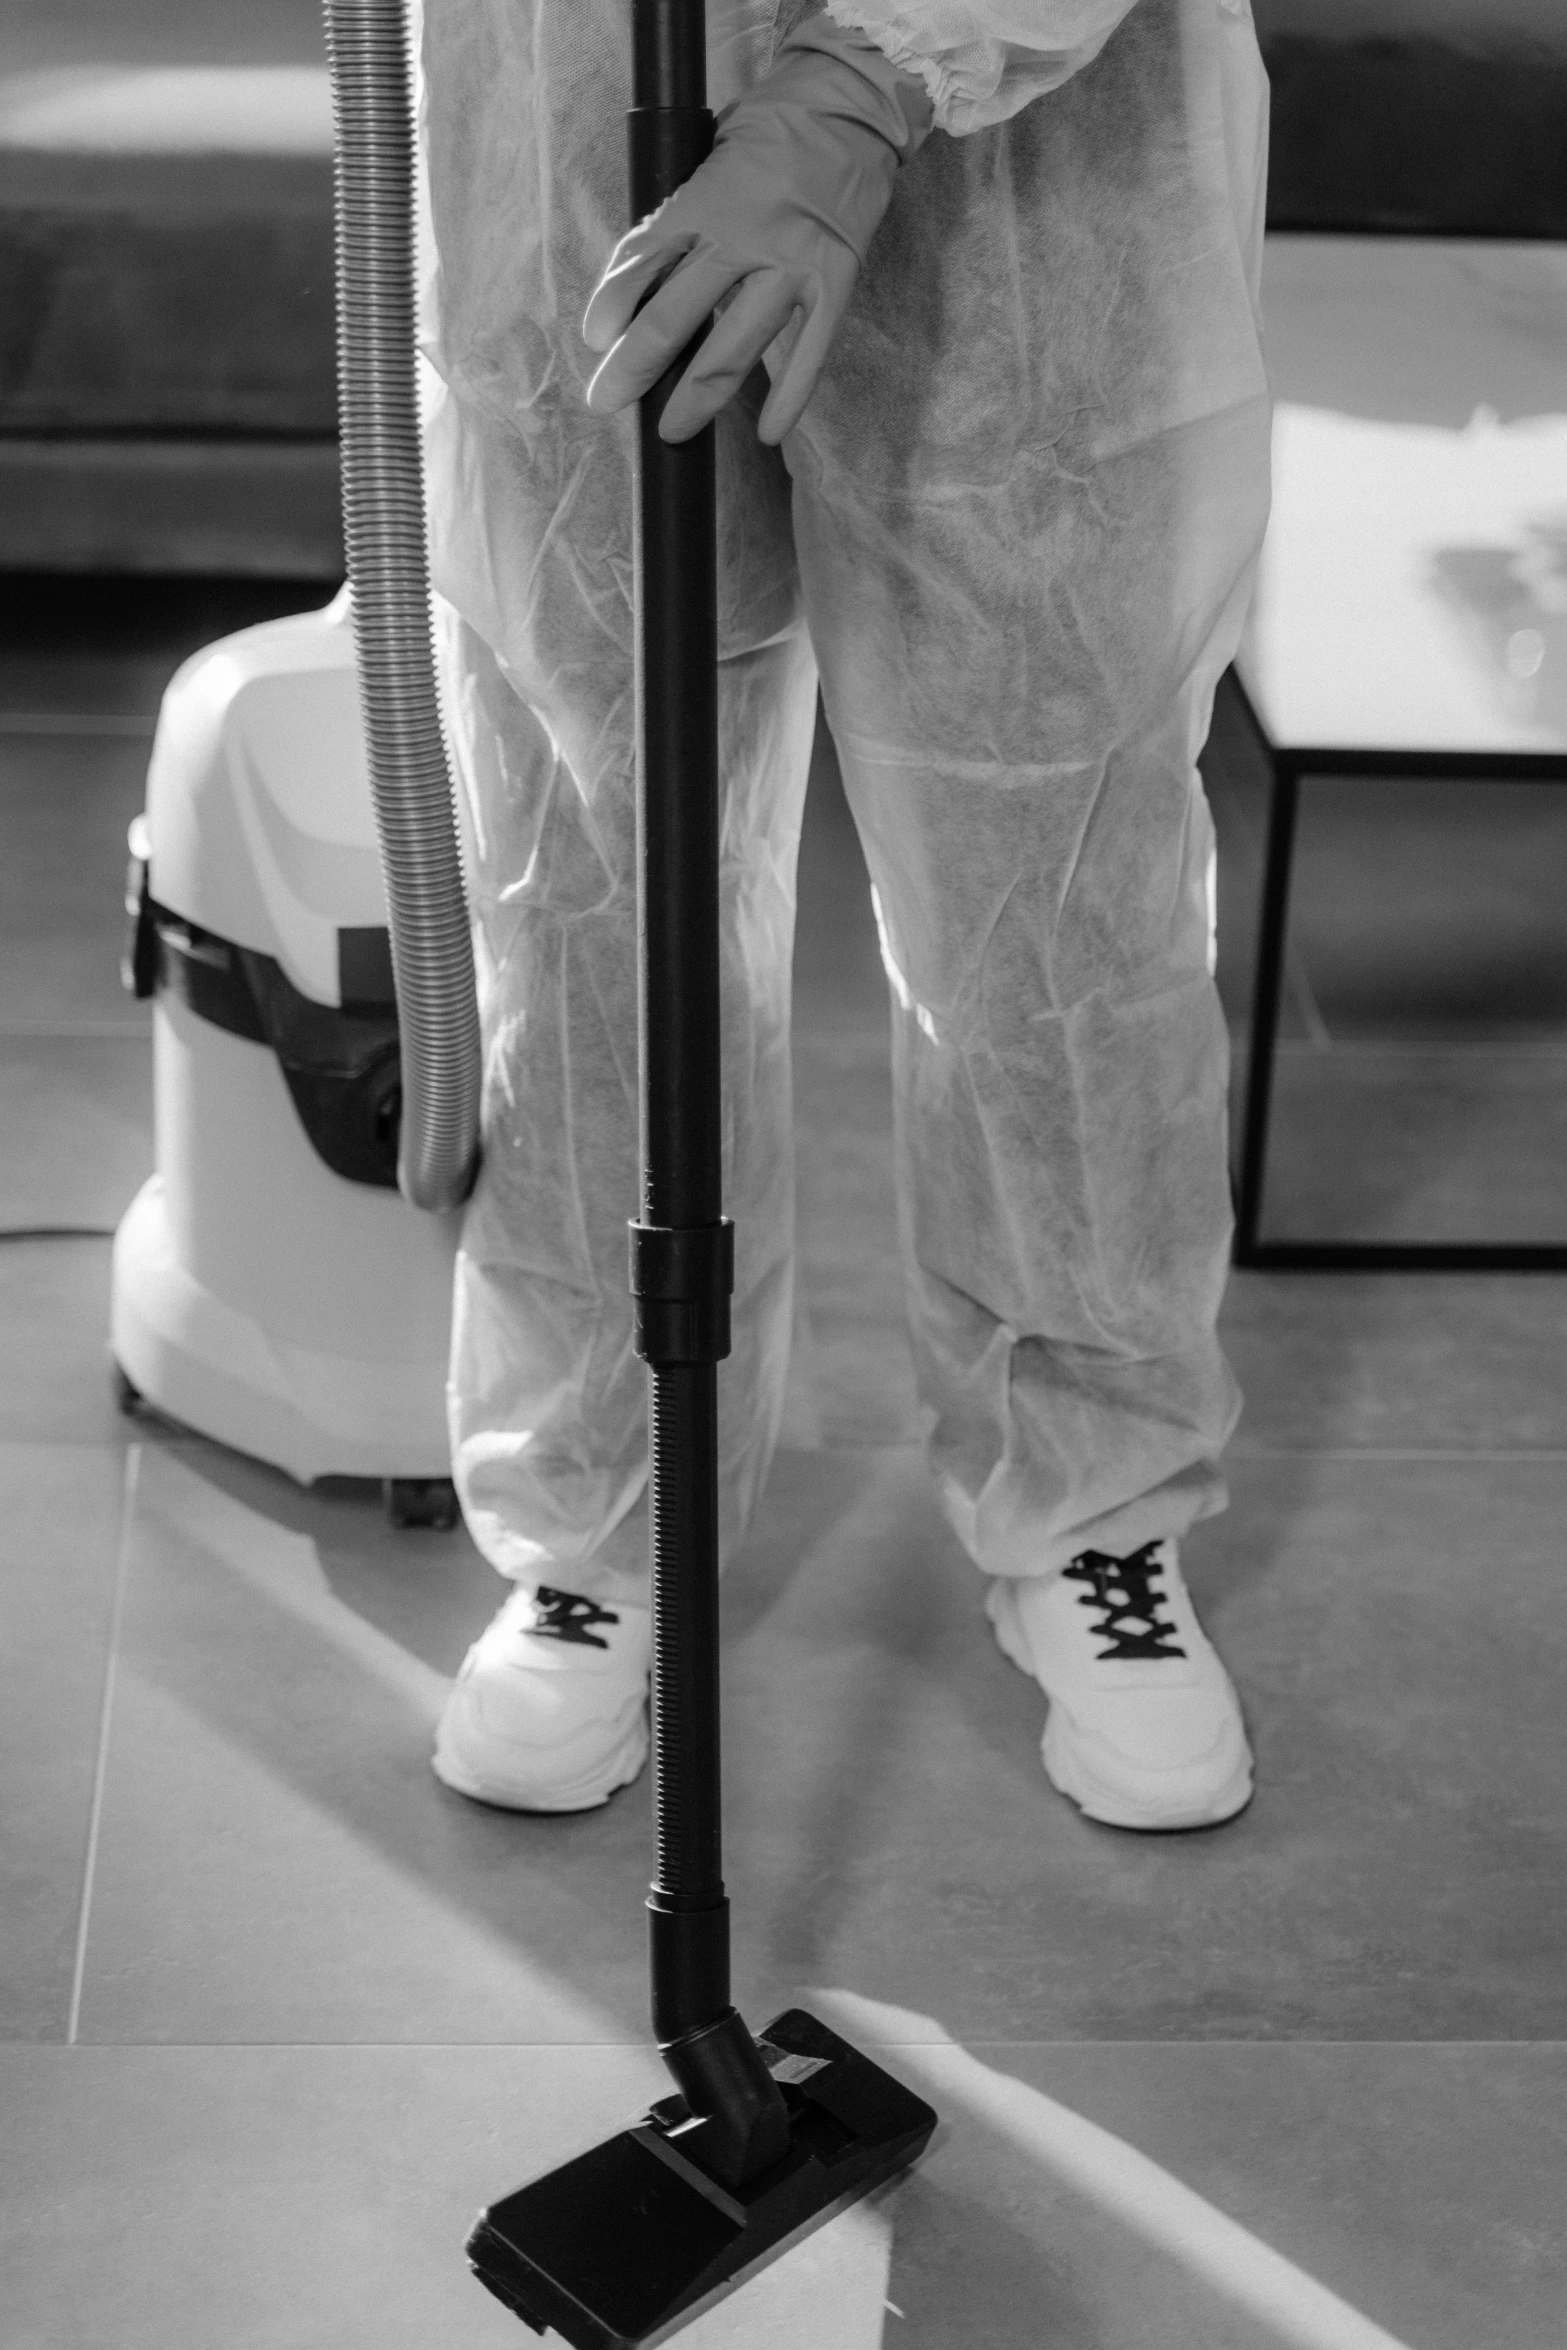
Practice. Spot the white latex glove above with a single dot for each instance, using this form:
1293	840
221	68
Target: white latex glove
778	218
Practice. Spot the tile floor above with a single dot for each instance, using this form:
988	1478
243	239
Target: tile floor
277	2013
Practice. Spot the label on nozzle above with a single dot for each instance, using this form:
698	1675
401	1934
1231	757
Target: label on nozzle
791	2070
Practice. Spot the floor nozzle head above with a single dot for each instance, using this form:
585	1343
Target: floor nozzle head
624	2244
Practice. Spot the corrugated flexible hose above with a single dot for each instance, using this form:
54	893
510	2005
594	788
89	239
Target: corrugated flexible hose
388	564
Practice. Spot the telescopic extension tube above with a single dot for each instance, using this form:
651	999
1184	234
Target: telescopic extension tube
682	1253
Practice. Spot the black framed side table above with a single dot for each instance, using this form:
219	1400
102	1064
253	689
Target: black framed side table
1410	623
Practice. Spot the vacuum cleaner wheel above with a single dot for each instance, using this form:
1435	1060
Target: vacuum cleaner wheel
422	1501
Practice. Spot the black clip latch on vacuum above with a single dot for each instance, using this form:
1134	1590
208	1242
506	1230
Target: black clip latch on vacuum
682	1279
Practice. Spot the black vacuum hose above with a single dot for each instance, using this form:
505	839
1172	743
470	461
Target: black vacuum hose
388	564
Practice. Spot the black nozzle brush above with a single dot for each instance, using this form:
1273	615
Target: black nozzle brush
765	2139
635	2237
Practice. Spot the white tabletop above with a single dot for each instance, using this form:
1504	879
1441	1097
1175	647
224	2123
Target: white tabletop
1413	590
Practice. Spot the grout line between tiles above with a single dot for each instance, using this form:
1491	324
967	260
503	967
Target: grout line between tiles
105	1713
972	2046
132	1031
1414	1048
117	725
1253	1452
1371	1452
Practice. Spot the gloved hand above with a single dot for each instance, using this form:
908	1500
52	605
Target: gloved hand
778	217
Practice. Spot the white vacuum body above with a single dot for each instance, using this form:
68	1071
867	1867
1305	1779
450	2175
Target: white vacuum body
272	1288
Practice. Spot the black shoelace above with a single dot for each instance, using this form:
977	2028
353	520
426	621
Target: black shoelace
566	1615
1121	1589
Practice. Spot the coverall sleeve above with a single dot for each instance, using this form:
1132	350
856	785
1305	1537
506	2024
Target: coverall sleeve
982	60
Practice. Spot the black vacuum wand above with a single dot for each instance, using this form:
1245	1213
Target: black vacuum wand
765	2138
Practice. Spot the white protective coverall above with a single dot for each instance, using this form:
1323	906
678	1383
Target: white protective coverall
1015	532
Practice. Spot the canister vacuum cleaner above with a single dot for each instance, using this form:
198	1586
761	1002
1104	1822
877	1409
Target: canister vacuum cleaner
293	1088
271	1287
297	917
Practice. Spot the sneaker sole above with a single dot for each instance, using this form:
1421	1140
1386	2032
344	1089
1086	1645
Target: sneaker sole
587	1793
1070	1775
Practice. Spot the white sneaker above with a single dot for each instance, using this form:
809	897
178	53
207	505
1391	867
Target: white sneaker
549	1711
1144	1728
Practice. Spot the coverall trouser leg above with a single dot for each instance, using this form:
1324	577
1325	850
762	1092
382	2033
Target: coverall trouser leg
1023	530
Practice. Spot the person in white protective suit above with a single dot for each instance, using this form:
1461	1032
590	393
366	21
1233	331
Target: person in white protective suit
1001	488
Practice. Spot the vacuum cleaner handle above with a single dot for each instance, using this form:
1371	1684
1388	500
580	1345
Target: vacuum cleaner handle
619	2245
682	1256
